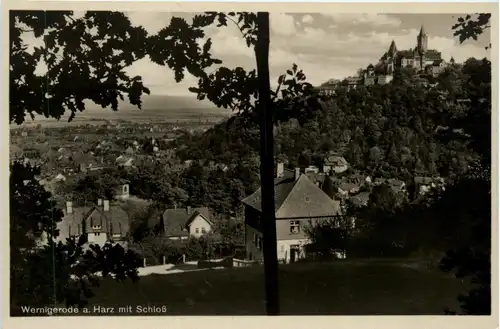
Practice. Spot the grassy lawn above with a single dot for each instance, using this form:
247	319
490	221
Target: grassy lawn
336	288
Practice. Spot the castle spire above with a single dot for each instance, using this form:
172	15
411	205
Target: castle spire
422	30
392	48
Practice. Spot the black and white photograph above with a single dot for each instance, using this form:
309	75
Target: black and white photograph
221	163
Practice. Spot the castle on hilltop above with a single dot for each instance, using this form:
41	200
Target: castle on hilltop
420	59
417	58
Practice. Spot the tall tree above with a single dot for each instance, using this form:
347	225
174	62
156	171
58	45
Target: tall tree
248	93
471	255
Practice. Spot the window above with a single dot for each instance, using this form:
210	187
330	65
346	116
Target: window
97	234
259	243
282	248
197	230
294	227
203	231
96	227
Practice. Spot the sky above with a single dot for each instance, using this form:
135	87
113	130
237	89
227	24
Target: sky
324	46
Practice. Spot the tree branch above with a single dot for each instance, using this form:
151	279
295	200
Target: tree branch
236	23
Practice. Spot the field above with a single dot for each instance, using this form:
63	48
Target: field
155	108
340	288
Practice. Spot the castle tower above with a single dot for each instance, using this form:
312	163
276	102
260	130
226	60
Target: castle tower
422	45
422	41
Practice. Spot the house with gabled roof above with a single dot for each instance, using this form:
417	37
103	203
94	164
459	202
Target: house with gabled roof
334	162
124	161
423	185
182	223
347	188
299	203
360	199
101	223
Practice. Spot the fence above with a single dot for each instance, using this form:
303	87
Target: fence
244	263
227	262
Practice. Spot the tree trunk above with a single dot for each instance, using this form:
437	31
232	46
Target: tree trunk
268	221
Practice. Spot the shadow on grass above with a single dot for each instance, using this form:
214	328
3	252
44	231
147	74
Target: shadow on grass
335	288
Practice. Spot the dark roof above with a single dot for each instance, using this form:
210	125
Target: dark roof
282	187
177	220
297	199
114	221
437	62
406	54
348	186
360	199
71	224
433	55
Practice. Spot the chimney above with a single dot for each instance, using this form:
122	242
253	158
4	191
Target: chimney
106	205
69	207
189	210
280	169
99	202
297	173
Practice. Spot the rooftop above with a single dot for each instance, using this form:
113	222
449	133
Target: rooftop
296	198
176	220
